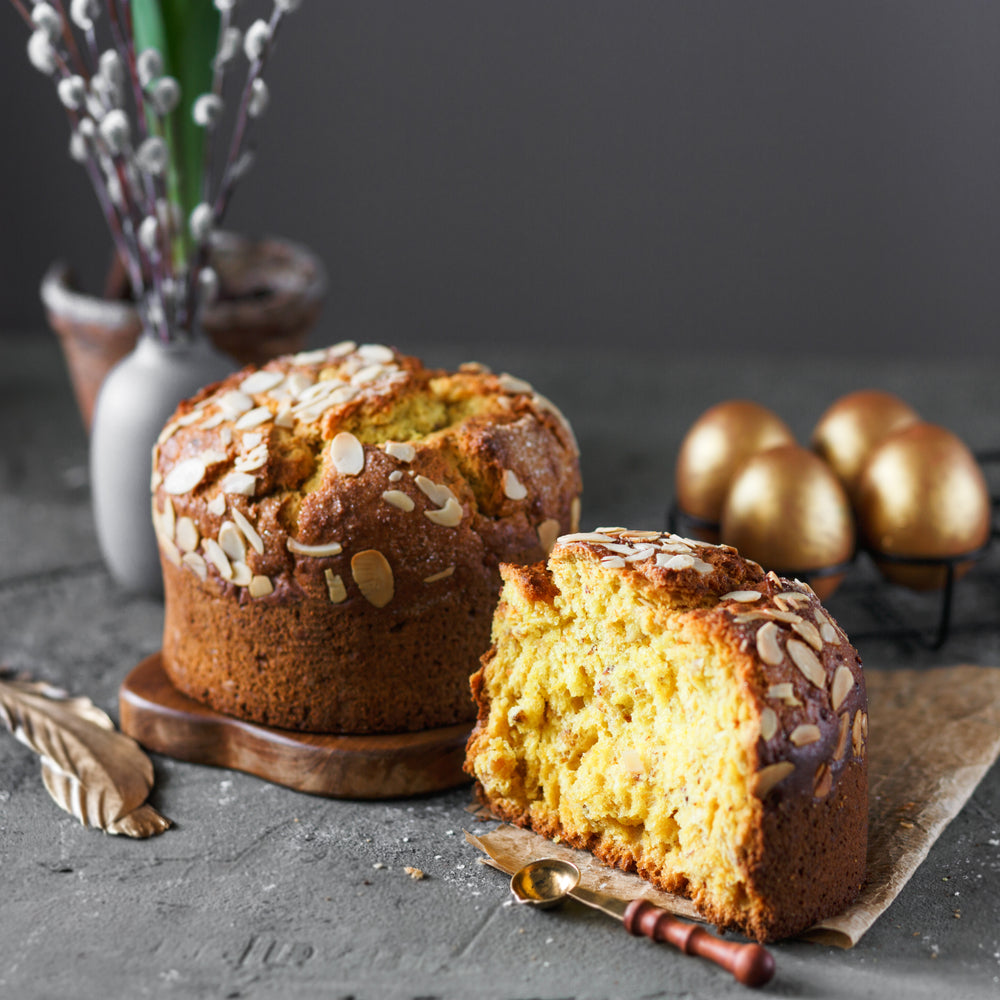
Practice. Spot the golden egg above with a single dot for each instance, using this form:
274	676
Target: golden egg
718	442
853	426
922	494
787	510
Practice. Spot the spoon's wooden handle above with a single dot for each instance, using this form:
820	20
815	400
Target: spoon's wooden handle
750	964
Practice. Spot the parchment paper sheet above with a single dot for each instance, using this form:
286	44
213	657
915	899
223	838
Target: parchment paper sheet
932	735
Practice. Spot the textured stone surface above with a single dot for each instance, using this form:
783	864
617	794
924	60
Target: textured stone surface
259	891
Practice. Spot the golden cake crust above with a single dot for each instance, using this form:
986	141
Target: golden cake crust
331	527
804	858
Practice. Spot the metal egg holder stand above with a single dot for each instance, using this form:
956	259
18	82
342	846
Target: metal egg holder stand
681	523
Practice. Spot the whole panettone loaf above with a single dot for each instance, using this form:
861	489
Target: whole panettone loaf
331	527
668	706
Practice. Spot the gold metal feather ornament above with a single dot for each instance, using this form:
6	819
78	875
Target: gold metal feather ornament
91	770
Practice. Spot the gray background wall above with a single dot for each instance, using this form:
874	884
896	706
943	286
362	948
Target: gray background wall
725	174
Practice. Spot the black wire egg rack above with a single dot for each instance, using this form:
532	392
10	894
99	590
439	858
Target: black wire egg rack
865	587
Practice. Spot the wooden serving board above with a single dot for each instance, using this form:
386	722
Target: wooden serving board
163	720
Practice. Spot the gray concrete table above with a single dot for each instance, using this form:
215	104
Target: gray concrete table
259	891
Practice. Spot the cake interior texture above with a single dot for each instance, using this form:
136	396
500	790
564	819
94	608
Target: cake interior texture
623	719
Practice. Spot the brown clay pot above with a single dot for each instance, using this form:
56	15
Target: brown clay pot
270	295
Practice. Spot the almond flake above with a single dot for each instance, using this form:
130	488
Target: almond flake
807	661
513	488
347	454
187	535
170	550
767	645
249	532
843	682
809	632
260	586
449	516
768	777
242	574
185	476
324	549
250	441
254	418
804	735
443	575
368	374
194	562
845	726
253	461
768	723
217	505
261	381
641	555
828	633
857	736
376	353
335	587
168	518
613	562
318	357
750	616
437	493
218	558
395	476
619	549
399	499
784	692
703	567
284	417
373	575
399	450
233	403
584	536
678	562
210	423
790	617
742	596
510	383
823	781
793	597
641	536
231	541
548	532
240	483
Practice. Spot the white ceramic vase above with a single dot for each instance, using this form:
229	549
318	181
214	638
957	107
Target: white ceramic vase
134	402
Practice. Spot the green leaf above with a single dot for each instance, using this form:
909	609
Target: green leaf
185	32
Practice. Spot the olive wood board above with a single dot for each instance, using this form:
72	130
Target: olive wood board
160	718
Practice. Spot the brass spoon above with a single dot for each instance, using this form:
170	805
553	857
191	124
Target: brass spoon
548	881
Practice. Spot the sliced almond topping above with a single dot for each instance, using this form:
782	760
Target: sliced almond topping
677	562
845	728
373	575
401	451
240	484
449	516
584	536
793	597
703	567
185	476
260	586
194	562
443	575
640	555
210	423
376	353
253	418
785	692
187	535
217	505
284	417
399	499
242	574
618	548
318	551
170	550
335	586
168	519
789	617
218	558
768	723
348	454
742	596
253	460
548	532
437	493
510	383
574	514
857	737
809	632
249	532
368	374
807	661
804	735
750	616
261	381
513	488
641	536
768	648
843	682
828	633
613	562
231	541
768	777
395	476
823	781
